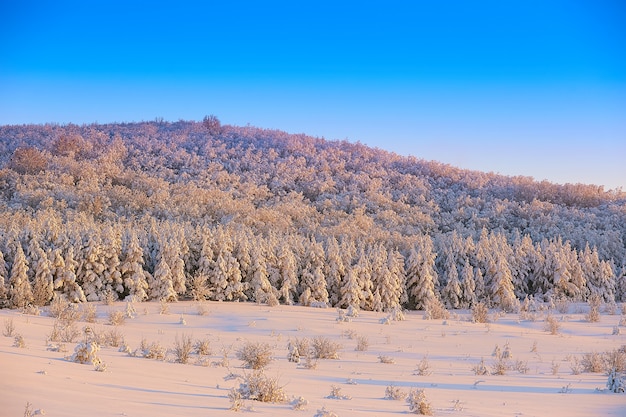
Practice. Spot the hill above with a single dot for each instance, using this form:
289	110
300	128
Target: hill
161	210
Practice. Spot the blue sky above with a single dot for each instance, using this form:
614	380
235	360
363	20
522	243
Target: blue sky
535	88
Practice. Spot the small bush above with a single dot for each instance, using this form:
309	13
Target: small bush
63	333
418	404
203	347
362	343
113	338
436	310
386	359
9	328
323	412
255	355
592	362
562	305
183	347
616	382
117	318
259	387
299	403
394	393
90	313
86	352
552	325
19	341
324	348
335	394
423	368
480	368
593	316
480	313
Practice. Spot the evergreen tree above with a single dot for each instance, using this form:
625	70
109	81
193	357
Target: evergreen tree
4	292
43	283
420	273
91	268
451	294
20	290
287	269
134	277
161	286
64	273
468	286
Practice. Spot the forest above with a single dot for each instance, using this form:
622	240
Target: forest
199	210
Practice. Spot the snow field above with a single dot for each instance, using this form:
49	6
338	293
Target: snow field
435	355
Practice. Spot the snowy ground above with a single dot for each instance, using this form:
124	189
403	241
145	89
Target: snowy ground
447	350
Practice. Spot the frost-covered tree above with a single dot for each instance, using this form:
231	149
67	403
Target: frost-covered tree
133	275
391	284
64	275
351	295
468	286
598	275
420	273
43	281
20	290
260	289
313	277
161	285
3	281
91	268
288	272
451	294
335	270
112	280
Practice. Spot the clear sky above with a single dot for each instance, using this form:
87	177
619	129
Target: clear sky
534	88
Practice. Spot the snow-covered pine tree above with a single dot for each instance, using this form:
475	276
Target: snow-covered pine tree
133	275
20	290
43	281
64	275
391	286
451	294
260	289
112	280
468	286
161	286
91	267
288	271
420	273
4	276
598	274
336	270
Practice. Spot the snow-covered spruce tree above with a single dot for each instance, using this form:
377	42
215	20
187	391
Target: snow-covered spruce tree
112	280
620	285
20	290
4	292
336	270
521	264
468	286
260	289
133	275
313	277
351	290
451	294
91	267
161	286
420	273
598	275
200	285
64	275
288	271
391	285
43	283
368	259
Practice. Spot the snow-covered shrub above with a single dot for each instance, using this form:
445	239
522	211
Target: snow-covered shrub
153	350
299	403
19	341
9	328
293	354
113	338
323	412
418	404
362	343
616	382
562	305
335	394
63	333
183	347
90	313
552	325
386	359
86	352
593	316
324	348
203	347
480	368
480	313
259	387
394	393
423	368
592	362
255	355
117	318
436	310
